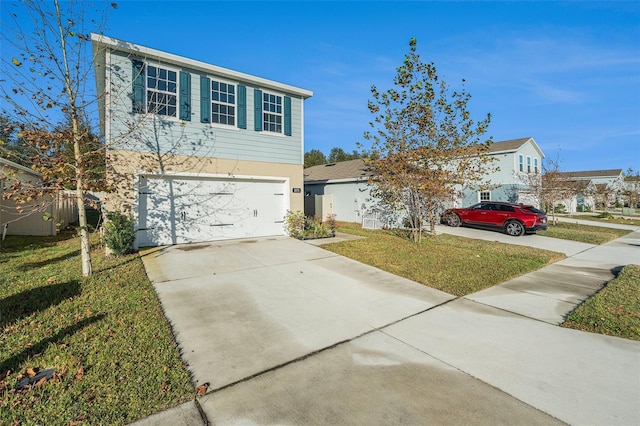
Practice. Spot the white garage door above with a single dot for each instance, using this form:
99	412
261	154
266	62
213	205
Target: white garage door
184	210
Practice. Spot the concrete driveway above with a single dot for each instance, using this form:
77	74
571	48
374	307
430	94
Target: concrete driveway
288	333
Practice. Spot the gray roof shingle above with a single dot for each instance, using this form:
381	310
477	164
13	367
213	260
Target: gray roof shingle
352	169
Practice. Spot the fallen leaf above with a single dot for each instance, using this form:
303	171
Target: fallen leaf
202	389
30	372
79	373
41	382
51	280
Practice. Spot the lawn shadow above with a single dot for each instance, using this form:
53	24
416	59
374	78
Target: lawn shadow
49	261
38	299
18	243
12	363
121	261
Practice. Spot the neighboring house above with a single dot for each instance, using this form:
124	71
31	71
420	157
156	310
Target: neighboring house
519	164
347	185
632	191
60	208
197	152
593	189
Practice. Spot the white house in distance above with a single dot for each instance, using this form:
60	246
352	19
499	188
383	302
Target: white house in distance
347	182
60	208
591	189
198	152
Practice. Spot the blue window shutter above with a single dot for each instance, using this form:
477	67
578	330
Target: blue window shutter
257	109
185	96
287	115
138	97
242	107
205	99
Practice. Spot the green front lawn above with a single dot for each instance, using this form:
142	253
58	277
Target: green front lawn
111	350
455	265
596	218
614	311
583	233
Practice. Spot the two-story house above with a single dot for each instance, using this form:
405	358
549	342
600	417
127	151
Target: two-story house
519	167
197	152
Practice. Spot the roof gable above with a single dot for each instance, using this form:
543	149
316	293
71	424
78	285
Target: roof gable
350	170
11	165
513	145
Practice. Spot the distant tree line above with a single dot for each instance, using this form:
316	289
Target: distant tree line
316	157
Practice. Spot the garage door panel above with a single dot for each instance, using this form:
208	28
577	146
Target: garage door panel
175	211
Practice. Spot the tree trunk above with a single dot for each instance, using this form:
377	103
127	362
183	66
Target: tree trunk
432	223
85	244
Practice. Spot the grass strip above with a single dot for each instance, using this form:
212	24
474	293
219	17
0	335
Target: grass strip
634	221
583	233
105	337
614	310
455	265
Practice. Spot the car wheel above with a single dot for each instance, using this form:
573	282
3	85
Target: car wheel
514	228
454	220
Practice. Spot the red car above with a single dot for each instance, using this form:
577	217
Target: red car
512	219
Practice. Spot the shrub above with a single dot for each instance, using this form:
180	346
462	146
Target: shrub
605	215
119	234
295	223
302	227
560	208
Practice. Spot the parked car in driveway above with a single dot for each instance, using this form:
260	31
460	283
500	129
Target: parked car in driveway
512	219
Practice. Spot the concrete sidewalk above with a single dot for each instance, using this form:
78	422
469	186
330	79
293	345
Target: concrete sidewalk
288	333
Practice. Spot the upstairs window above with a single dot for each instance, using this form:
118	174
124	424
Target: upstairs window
223	103
485	196
528	164
272	113
162	91
535	166
521	163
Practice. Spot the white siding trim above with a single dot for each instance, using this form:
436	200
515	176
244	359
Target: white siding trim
153	54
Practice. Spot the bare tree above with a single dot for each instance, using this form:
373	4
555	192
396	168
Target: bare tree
555	186
425	148
631	189
47	79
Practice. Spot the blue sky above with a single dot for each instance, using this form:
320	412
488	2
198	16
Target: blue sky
565	73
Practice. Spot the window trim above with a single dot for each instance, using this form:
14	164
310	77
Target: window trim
521	162
148	63
281	114
480	193
235	84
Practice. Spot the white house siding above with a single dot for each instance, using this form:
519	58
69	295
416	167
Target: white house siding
351	199
167	134
508	183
